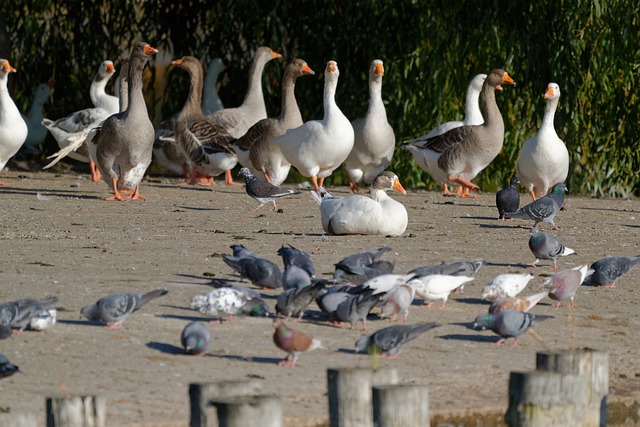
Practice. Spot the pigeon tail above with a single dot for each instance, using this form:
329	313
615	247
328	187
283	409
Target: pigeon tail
150	296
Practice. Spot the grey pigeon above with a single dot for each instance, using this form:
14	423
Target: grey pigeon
294	256
239	251
261	272
361	259
545	246
543	209
508	324
195	338
388	342
263	191
295	277
294	301
564	284
356	308
456	268
360	274
115	308
17	314
508	199
329	300
609	270
6	368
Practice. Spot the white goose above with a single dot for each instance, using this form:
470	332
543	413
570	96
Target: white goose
13	130
374	138
359	214
66	130
544	159
37	132
319	147
472	117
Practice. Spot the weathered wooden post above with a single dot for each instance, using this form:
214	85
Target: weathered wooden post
76	411
203	414
545	399
594	365
263	411
351	396
401	405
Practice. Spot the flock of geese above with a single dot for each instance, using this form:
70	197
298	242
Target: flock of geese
203	140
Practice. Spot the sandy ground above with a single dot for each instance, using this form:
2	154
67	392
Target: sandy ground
59	237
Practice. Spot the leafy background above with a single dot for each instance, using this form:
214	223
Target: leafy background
431	49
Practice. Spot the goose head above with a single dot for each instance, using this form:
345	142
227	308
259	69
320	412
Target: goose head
498	77
553	91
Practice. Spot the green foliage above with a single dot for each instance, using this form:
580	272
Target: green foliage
430	49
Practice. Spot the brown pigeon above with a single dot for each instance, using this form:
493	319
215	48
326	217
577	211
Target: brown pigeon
293	342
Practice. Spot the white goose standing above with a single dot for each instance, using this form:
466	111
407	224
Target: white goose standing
319	147
374	138
544	159
13	129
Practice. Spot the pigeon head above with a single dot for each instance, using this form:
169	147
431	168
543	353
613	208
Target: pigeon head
195	345
484	321
90	312
559	189
361	344
514	181
260	310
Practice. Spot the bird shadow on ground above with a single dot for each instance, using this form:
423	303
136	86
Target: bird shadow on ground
504	264
252	359
193	208
607	209
165	348
291	233
186	318
482	218
46	193
346	350
477	301
80	322
473	205
466	337
496	226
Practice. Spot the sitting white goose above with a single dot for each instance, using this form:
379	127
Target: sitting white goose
472	117
374	138
37	132
544	159
359	214
319	147
13	130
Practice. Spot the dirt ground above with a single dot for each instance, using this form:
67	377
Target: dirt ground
59	237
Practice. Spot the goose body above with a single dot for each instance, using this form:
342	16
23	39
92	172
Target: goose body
544	159
374	140
36	131
13	129
319	147
359	214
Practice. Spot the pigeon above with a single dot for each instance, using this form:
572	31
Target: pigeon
397	302
609	270
457	268
508	324
361	259
261	272
543	209
357	275
294	277
508	199
293	342
195	338
44	320
385	282
388	342
505	285
115	308
6	368
518	303
248	293
545	246
356	308
263	191
17	314
564	284
437	286
227	301
294	301
5	332
239	251
329	299
301	259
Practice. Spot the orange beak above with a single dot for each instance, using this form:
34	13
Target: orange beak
148	50
7	68
331	66
549	93
306	70
506	80
398	187
110	69
379	71
275	55
177	62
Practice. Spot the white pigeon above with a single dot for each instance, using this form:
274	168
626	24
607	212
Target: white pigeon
386	282
437	287
44	320
220	302
397	302
505	285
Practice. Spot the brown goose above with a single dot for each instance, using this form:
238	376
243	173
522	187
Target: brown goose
204	142
457	156
256	149
237	121
122	146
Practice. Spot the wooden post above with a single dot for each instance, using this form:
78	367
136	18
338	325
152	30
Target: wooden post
203	414
351	397
594	365
76	411
263	411
401	406
545	399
